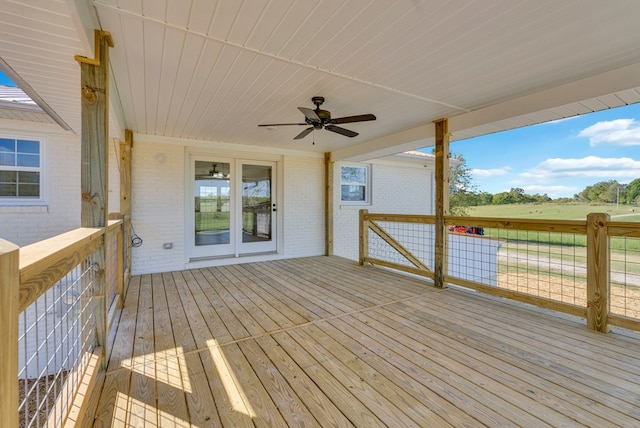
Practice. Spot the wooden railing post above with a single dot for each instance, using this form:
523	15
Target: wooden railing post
598	272
441	263
9	289
328	205
364	237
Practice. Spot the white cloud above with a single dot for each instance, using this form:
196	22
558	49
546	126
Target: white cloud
488	173
619	132
587	167
552	191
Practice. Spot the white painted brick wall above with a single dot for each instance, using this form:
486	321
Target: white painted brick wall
304	206
158	206
25	224
158	212
403	189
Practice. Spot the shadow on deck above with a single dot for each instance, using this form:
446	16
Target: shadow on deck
323	342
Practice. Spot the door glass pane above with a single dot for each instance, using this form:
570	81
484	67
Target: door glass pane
212	203
256	203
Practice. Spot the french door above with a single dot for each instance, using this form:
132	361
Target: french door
233	207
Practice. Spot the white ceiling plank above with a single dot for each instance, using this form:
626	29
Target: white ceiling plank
269	22
248	18
224	18
156	9
173	47
630	96
133	47
184	82
154	37
200	16
611	100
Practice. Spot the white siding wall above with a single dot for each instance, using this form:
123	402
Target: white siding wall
396	188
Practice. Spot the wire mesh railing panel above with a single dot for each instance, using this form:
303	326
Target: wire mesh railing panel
473	258
550	265
624	296
56	332
417	238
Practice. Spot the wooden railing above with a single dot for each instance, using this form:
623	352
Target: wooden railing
28	273
406	243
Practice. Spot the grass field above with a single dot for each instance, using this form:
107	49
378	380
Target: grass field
556	211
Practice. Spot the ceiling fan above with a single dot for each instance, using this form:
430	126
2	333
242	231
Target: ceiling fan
319	119
213	173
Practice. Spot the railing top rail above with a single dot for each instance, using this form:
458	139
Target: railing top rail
44	262
541	225
627	229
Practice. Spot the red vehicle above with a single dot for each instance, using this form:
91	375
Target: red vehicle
472	230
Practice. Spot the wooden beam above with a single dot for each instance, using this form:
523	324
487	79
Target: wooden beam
328	205
125	172
598	272
442	200
9	285
94	79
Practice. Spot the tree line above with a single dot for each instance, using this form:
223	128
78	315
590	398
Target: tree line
463	192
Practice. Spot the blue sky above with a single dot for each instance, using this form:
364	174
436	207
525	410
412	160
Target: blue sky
558	158
4	80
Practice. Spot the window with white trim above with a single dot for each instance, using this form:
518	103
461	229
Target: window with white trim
20	170
355	185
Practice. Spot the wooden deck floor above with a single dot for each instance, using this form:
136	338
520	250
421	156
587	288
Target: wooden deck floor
324	342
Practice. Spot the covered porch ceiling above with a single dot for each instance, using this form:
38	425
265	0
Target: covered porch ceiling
205	70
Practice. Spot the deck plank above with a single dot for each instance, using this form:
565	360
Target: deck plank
322	341
170	323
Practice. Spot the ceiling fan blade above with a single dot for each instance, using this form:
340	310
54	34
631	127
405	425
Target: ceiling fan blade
309	114
351	119
282	124
340	130
303	133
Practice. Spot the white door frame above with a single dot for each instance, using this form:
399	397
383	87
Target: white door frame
236	247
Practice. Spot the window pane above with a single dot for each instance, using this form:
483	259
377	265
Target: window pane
29	190
29	177
28	146
8	159
7	189
8	177
352	174
7	145
353	193
29	160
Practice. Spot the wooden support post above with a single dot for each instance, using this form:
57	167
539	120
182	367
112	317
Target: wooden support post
9	289
364	237
94	79
328	213
598	272
442	200
125	201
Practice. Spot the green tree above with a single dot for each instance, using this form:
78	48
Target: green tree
462	190
632	195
